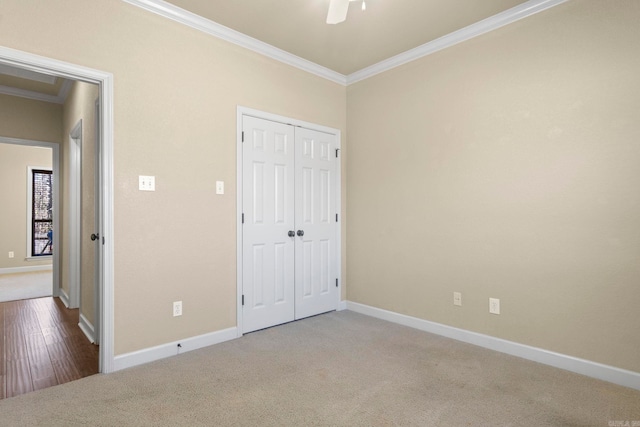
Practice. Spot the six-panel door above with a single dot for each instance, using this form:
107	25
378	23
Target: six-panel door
289	185
267	249
315	215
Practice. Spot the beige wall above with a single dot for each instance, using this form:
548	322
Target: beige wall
80	105
507	167
176	93
14	161
23	119
28	119
501	167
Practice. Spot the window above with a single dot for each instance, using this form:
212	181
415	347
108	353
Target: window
41	224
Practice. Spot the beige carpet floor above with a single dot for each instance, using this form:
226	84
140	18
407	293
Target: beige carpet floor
337	369
17	286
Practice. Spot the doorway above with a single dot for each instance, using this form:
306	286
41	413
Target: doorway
288	230
32	199
104	81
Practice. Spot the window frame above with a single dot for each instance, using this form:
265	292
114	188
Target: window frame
30	205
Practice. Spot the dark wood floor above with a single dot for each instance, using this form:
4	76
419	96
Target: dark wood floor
41	345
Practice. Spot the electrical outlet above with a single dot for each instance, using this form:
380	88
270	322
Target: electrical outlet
219	187
457	298
494	306
177	308
11	254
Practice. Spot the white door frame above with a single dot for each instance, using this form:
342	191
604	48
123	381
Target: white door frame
245	111
74	213
104	81
55	208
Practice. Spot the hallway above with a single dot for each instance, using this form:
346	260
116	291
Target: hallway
42	346
17	286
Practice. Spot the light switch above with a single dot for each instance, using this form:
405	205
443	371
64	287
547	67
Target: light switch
219	187
147	183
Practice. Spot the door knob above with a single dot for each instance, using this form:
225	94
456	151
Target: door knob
300	233
291	233
95	237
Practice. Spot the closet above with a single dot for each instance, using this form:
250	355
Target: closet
289	222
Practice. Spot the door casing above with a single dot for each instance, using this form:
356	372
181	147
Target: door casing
245	111
104	80
74	187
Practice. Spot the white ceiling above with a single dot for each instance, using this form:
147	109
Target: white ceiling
385	29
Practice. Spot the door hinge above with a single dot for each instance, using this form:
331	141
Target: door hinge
242	299
243	218
103	240
337	149
336	283
242	136
336	217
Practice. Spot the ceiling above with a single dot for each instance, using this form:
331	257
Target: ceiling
385	29
30	84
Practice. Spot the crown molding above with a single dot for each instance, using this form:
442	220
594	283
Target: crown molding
26	74
60	98
494	22
37	96
199	23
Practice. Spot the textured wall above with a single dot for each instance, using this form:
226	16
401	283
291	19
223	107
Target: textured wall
508	167
28	119
176	94
14	161
23	119
80	105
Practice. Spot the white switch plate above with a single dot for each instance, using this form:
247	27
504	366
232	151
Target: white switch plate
494	306
147	183
177	308
219	187
11	254
457	298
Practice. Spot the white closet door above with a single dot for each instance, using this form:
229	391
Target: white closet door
268	207
315	200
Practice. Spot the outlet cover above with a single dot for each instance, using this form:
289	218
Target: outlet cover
219	187
457	298
177	308
11	254
494	306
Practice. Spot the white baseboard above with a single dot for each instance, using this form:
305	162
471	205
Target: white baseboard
64	297
151	354
580	366
87	328
342	305
28	269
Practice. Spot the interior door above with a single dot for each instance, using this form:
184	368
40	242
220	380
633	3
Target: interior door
99	220
289	228
316	226
268	210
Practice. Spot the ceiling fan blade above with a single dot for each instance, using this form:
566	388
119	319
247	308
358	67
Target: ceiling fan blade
337	11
